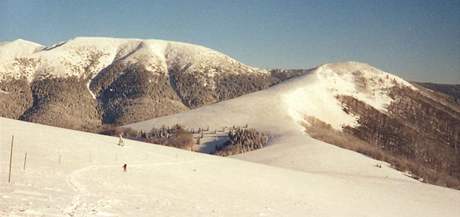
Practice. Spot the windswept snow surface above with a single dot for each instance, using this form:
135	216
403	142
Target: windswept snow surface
71	173
359	80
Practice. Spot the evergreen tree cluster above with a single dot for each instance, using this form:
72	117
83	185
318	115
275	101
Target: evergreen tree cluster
243	140
175	136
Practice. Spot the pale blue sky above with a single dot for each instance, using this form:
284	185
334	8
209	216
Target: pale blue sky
417	40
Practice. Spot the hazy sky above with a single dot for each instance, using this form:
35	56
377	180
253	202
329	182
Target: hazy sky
417	40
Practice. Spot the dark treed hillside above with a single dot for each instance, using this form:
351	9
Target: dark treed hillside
452	90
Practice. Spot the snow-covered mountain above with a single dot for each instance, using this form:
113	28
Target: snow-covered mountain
87	82
86	56
353	105
71	173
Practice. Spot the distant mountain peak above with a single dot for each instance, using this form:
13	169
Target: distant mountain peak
73	57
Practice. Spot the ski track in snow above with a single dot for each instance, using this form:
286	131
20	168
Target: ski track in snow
77	208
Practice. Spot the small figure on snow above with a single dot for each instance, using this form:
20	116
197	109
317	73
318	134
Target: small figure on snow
120	141
125	166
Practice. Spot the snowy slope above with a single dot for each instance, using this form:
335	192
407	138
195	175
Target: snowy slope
313	94
84	57
12	63
280	111
72	173
12	49
359	80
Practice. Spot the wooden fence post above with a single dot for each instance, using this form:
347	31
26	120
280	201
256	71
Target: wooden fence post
11	158
25	160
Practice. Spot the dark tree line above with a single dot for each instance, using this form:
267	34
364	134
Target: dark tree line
243	140
175	136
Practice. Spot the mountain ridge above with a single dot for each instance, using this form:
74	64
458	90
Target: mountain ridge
78	51
91	82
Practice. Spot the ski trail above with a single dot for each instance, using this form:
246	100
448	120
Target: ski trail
80	189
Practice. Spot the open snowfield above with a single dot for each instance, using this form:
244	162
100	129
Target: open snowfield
71	173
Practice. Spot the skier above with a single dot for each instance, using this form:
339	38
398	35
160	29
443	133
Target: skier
124	167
